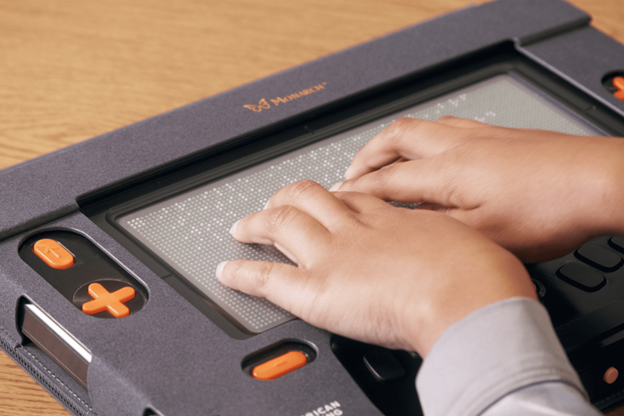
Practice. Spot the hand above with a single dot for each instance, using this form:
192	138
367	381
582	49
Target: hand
538	193
370	271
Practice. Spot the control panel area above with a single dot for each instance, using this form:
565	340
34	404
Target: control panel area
84	274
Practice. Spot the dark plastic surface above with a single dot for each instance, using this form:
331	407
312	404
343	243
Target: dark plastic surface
578	332
395	397
384	366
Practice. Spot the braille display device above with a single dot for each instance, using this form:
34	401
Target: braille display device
108	294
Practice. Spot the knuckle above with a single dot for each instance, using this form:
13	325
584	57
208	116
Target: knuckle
401	125
280	216
261	276
298	189
400	128
402	122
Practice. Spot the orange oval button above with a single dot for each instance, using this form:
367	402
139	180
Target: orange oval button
53	254
279	366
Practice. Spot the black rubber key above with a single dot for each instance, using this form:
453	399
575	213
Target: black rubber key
599	257
581	276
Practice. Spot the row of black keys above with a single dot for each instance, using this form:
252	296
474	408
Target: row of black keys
600	258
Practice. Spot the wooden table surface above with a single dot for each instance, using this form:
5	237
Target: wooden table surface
74	69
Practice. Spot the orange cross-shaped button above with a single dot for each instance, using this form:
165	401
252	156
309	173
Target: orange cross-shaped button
103	300
618	83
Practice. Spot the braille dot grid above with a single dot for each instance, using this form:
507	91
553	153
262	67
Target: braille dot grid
191	232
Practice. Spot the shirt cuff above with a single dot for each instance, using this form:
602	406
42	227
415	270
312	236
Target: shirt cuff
490	353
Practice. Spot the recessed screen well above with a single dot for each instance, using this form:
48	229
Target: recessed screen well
190	231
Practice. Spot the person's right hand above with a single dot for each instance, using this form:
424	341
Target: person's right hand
370	271
538	193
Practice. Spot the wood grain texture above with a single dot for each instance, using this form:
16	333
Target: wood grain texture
74	69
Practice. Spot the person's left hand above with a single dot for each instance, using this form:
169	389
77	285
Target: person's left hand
539	194
371	271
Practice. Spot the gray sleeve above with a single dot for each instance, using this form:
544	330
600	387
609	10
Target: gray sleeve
503	359
546	399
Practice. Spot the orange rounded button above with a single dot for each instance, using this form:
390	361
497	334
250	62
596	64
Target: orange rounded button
611	375
279	366
53	254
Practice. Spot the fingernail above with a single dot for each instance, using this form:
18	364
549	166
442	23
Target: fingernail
233	229
336	187
220	268
266	205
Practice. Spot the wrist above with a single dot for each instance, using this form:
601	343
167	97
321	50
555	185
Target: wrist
501	277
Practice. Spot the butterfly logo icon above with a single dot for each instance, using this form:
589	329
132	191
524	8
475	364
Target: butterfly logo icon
257	108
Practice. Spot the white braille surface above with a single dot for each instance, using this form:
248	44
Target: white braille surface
191	231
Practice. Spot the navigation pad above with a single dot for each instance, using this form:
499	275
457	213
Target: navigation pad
84	274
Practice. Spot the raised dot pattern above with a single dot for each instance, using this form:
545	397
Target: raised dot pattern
191	231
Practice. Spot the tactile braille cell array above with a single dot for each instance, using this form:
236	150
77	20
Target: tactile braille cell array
191	231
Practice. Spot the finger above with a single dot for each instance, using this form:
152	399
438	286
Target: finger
359	202
290	230
460	122
279	283
310	197
423	180
405	138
